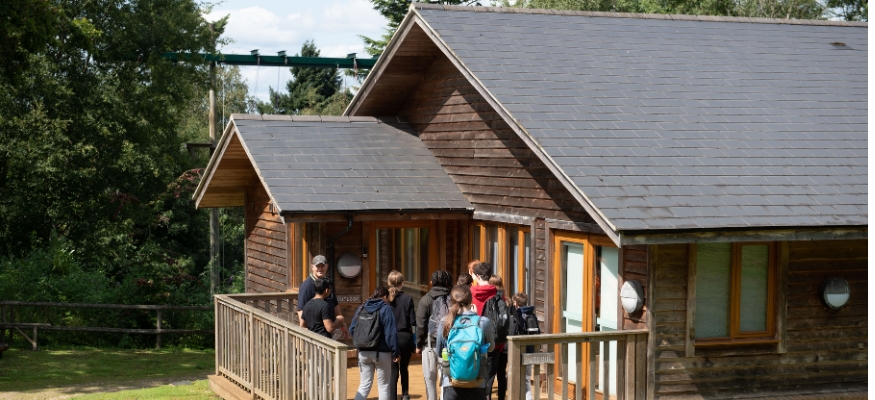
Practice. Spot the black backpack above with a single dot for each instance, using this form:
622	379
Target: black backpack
529	324
439	310
368	330
497	311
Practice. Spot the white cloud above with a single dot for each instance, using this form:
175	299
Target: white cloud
272	26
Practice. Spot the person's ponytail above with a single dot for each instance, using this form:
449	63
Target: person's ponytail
460	300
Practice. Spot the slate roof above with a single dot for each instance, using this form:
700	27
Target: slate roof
326	164
683	124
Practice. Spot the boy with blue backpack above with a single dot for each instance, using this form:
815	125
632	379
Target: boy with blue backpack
464	339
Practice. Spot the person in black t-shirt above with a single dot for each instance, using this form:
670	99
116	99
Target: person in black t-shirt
306	292
318	314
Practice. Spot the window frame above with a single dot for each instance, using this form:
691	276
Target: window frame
433	260
736	336
502	265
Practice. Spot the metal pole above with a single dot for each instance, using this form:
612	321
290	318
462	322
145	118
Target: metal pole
214	212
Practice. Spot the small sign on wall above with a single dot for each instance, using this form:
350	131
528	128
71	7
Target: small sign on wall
349	298
538	358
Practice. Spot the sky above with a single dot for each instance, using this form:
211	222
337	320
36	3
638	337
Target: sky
275	25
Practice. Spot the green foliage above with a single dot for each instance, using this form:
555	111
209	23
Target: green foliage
394	11
799	9
95	183
312	91
849	10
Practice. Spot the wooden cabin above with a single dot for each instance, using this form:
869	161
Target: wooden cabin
721	163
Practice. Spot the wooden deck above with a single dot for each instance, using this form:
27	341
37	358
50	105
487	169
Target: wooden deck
417	384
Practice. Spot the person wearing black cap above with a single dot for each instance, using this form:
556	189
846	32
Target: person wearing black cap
318	270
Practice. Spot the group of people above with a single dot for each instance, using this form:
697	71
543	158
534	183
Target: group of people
460	330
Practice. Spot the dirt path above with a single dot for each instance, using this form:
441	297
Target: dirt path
97	387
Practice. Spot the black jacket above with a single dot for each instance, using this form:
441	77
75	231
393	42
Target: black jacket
402	307
423	312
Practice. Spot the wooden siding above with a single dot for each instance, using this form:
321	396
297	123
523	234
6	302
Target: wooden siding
496	171
826	350
634	267
266	241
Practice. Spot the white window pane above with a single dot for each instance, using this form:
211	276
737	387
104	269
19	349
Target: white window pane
754	288
713	280
609	263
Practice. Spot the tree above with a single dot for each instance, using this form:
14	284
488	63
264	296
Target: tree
394	11
91	126
849	10
311	91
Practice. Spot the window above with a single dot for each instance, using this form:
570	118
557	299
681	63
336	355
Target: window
410	250
735	295
507	248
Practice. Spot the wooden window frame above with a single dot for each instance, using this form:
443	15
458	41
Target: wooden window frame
502	264
736	336
433	257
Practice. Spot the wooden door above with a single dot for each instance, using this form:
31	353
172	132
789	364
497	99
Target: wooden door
573	297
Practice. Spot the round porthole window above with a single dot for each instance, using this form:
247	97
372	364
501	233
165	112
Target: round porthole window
836	292
349	265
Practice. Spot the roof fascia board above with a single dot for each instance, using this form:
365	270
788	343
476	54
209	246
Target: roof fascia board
759	235
230	130
593	211
381	65
385	215
258	173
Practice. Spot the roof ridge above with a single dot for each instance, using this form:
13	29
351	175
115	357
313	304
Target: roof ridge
676	17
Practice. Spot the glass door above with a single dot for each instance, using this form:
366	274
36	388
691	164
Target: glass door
607	282
573	293
410	248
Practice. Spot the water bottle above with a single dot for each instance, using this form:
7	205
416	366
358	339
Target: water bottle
445	355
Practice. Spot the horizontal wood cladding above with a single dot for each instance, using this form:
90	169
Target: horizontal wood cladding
634	267
826	350
491	165
267	264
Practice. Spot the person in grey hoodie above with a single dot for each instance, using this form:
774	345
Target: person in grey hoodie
441	282
380	358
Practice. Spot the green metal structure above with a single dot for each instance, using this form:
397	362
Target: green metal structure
280	60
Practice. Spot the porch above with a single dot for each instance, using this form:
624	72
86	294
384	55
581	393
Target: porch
261	353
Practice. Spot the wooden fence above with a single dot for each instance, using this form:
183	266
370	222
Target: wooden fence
5	323
268	357
629	364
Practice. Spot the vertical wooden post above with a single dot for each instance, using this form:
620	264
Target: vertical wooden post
214	212
3	322
621	367
217	319
781	276
592	375
158	336
516	370
690	340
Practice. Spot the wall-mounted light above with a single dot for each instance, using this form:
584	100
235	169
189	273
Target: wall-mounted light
835	292
349	265
632	296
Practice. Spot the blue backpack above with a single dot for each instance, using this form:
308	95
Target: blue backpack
463	348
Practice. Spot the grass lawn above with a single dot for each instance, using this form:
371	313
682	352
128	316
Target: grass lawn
26	370
197	390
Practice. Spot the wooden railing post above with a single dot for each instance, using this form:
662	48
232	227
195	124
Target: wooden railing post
158	326
517	371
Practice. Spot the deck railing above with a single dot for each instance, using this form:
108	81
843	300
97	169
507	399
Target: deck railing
273	358
628	363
